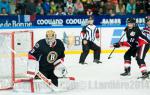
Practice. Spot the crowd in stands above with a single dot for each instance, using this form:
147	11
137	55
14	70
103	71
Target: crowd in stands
74	7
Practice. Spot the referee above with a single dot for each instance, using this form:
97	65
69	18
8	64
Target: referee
88	34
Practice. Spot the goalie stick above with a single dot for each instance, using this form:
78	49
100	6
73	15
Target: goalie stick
48	82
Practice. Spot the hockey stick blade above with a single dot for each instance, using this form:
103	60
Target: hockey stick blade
109	57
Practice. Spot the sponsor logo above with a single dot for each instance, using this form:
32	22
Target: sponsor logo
50	22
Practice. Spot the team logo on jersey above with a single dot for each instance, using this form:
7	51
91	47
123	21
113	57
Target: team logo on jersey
132	33
52	56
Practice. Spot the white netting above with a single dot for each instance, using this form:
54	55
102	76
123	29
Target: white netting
5	61
14	47
40	87
22	45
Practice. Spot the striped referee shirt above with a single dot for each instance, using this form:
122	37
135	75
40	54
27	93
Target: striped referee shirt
90	32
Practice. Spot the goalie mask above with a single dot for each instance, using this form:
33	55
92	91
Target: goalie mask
50	37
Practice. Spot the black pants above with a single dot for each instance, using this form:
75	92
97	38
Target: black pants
50	75
86	48
141	53
138	52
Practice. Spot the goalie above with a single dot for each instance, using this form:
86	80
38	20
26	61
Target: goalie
49	52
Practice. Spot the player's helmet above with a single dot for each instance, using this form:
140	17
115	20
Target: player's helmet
147	19
91	20
50	37
131	20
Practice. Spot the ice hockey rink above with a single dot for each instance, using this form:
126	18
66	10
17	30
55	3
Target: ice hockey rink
100	79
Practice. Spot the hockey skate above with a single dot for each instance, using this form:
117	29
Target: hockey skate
83	63
127	72
97	61
145	75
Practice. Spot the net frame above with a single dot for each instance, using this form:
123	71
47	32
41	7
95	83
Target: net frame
13	67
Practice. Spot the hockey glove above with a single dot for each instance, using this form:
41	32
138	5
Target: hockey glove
116	45
60	70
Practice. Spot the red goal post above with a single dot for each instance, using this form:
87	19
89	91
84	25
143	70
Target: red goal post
14	48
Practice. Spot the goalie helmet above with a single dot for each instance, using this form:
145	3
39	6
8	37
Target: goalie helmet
50	37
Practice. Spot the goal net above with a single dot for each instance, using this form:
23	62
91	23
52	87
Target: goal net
14	48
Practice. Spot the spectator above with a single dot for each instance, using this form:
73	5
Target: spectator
147	6
111	12
89	5
60	12
139	7
131	6
46	6
20	8
69	3
100	11
110	8
114	2
51	12
53	6
102	8
89	12
124	2
39	9
97	6
4	4
70	11
17	12
30	8
3	12
79	7
69	7
60	4
120	8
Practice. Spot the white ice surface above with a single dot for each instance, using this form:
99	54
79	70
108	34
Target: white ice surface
101	79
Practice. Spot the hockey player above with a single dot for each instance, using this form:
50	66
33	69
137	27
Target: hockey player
49	52
139	46
146	29
88	35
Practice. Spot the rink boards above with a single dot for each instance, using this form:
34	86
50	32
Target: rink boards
108	35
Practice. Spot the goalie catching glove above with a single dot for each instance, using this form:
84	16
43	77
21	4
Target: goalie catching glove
60	70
